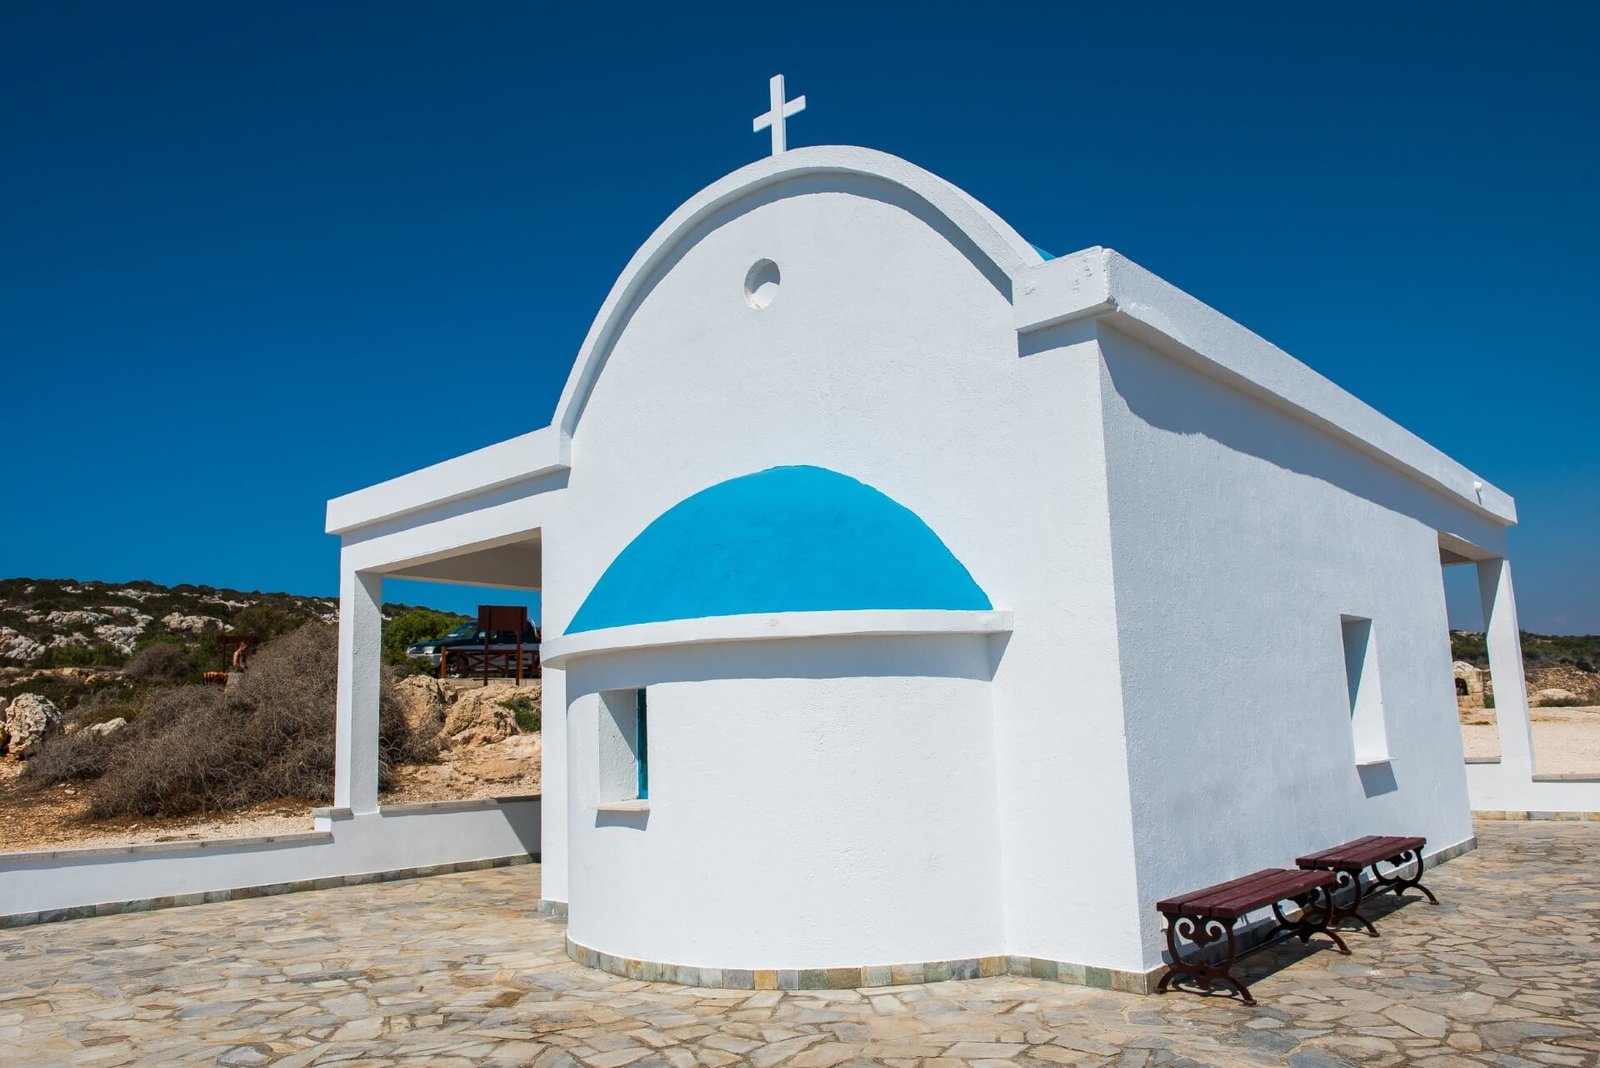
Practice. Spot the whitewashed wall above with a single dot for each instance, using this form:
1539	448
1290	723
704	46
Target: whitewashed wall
396	838
889	354
796	819
1240	538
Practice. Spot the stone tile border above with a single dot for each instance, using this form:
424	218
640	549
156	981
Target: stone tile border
111	908
1519	815
181	845
856	978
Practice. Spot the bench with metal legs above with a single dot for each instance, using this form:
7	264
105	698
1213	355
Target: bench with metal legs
1348	861
1204	918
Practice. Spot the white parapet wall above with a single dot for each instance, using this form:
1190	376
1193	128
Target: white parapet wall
1498	789
398	841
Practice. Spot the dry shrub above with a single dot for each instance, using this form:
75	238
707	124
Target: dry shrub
203	749
69	757
162	662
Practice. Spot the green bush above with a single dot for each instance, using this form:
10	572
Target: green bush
414	625
265	622
526	711
99	655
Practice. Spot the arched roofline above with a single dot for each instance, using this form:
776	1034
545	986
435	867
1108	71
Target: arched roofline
985	238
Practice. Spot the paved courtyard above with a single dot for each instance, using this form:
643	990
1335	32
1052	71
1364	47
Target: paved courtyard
458	970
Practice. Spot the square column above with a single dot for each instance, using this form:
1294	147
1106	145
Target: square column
1504	640
355	784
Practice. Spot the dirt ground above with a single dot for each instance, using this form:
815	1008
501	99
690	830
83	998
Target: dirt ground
56	817
1566	741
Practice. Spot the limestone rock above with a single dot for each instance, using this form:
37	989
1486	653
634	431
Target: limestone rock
29	719
19	646
1553	698
478	718
506	761
422	703
188	624
110	726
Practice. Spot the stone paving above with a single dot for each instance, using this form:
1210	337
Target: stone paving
459	970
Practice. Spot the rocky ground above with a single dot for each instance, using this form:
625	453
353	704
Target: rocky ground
462	970
484	754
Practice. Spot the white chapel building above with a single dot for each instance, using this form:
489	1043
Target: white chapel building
918	605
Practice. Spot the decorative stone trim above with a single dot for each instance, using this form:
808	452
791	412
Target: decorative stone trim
110	908
856	978
1518	815
555	909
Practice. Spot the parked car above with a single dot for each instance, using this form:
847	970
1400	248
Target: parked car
468	636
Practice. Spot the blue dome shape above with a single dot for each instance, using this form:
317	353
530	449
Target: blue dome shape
788	539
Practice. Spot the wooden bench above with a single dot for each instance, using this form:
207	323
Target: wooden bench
1348	861
1203	917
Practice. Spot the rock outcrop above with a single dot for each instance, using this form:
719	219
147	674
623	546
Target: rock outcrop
1554	698
422	703
110	726
29	720
476	717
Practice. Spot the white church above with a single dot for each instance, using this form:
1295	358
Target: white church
916	605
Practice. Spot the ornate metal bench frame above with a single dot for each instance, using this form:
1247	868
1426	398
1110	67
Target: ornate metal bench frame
1348	878
1317	911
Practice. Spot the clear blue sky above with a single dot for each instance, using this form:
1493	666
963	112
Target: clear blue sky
256	255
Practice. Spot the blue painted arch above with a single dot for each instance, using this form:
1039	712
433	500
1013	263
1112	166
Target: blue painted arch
788	539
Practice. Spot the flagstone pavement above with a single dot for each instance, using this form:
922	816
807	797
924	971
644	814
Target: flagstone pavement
459	970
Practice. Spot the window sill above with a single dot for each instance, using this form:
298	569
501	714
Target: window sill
1375	762
637	804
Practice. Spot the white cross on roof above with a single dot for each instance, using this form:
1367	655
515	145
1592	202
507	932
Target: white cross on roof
781	110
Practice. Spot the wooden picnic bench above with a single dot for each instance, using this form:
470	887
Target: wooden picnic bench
1204	917
1348	861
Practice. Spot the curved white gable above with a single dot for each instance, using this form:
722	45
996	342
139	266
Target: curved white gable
988	239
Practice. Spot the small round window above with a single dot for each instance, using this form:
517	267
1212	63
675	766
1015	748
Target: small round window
761	284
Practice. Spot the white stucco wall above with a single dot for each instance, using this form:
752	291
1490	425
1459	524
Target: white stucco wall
794	821
890	355
1240	537
397	837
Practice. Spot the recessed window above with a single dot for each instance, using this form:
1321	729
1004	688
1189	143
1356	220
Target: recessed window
761	284
1365	690
624	746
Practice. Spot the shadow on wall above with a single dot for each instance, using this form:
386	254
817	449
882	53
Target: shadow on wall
949	656
1181	400
1377	779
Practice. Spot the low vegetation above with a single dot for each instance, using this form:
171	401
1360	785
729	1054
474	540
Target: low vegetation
1581	651
193	749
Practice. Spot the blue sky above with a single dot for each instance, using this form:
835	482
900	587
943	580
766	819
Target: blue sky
254	256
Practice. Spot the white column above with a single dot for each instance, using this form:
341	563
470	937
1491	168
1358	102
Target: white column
553	787
1505	668
355	783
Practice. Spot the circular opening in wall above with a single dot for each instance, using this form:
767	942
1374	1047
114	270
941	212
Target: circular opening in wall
761	284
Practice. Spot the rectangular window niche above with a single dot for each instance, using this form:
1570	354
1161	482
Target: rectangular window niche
622	747
1365	689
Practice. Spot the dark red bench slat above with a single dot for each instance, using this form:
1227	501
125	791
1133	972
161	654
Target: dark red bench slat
1361	852
1233	899
1181	900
